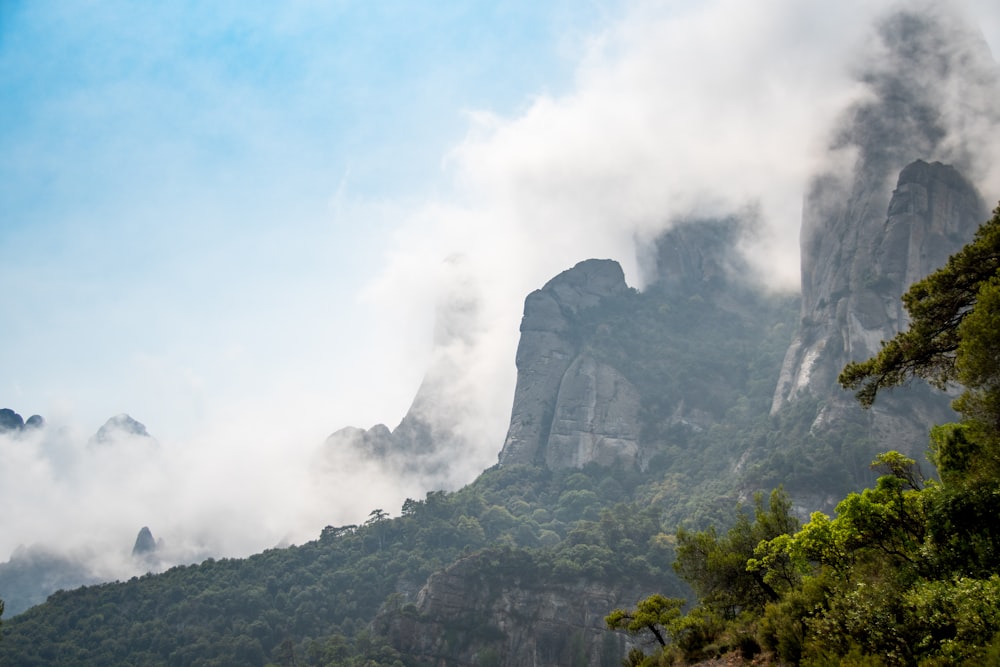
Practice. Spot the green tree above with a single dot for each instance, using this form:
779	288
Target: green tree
656	614
716	567
936	339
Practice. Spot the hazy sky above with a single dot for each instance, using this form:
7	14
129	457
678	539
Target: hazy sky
235	220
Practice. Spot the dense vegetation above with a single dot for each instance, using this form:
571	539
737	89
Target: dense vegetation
904	573
716	354
312	604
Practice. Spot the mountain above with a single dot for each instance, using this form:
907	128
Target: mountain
35	571
634	412
120	428
11	422
864	242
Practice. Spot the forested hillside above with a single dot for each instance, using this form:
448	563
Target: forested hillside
526	535
904	573
315	601
684	475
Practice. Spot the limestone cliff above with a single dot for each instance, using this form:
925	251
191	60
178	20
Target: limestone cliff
854	271
561	394
613	376
482	610
864	242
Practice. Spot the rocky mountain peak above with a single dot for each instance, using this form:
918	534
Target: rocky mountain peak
144	543
568	407
699	257
10	420
118	427
854	271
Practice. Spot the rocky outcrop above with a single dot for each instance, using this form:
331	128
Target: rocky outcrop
119	428
864	242
480	610
609	375
145	545
374	442
596	418
700	257
852	282
10	421
422	446
436	442
545	390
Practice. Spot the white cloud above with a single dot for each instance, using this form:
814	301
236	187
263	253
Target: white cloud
704	110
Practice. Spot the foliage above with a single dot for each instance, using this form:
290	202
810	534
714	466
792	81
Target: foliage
313	603
656	614
716	567
905	572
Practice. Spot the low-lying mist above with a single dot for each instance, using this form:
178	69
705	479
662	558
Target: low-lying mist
676	113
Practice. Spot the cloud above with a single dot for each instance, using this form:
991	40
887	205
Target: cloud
676	111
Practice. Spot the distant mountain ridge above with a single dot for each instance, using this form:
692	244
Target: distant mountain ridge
34	571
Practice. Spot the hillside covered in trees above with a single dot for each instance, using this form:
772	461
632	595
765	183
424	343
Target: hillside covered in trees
626	517
530	559
904	573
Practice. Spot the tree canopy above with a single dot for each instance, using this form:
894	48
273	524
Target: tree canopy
904	573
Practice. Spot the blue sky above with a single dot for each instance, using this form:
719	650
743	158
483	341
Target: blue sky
171	176
248	224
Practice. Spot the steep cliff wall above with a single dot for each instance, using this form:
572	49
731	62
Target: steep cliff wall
613	376
559	393
477	612
856	269
864	242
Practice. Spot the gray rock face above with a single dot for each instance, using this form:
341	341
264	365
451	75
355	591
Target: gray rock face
607	375
441	428
375	441
10	420
699	257
863	242
596	418
545	390
858	269
462	616
144	545
421	446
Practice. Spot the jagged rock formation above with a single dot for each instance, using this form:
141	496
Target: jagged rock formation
145	545
864	243
854	272
420	446
117	428
588	409
441	421
10	420
612	376
468	618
